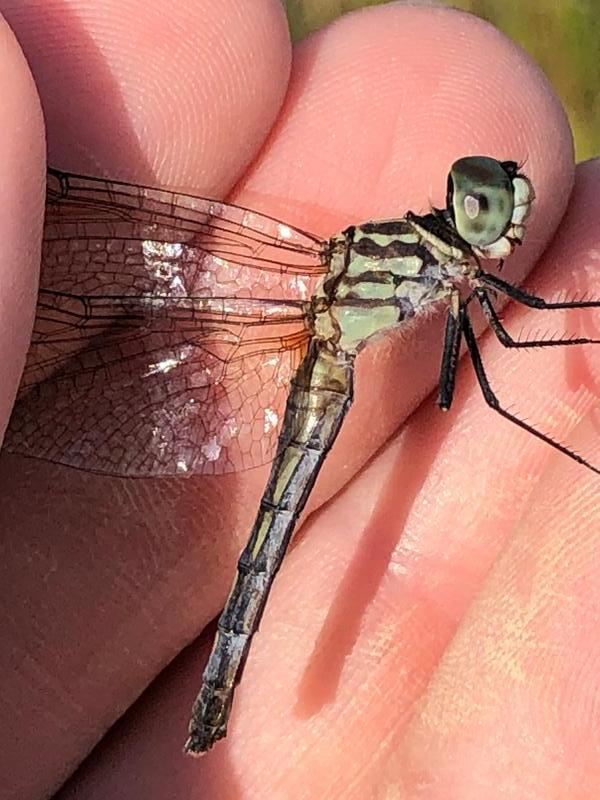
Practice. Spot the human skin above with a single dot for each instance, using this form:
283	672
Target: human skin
434	632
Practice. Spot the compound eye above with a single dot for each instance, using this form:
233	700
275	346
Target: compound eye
481	199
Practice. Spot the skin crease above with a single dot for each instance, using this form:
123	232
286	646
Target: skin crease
350	682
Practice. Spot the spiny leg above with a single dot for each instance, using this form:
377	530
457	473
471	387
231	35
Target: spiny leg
450	353
507	340
492	401
531	300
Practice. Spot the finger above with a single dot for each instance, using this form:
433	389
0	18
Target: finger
527	725
436	510
378	109
183	97
22	181
302	599
511	707
479	486
370	599
134	93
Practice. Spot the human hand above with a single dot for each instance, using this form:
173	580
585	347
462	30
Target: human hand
117	575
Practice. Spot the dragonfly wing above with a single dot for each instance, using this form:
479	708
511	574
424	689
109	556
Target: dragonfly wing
167	330
105	237
150	403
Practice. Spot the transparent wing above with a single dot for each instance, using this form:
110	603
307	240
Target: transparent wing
168	327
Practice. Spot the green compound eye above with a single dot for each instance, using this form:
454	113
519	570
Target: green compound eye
481	199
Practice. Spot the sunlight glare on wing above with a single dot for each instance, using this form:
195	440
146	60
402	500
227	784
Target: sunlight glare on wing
271	420
211	450
155	312
162	260
284	231
167	364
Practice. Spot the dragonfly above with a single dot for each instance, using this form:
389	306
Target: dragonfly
177	335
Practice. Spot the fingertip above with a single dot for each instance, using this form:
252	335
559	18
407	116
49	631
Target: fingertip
22	181
182	98
380	104
384	100
523	661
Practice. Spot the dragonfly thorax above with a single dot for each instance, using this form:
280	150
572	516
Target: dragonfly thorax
384	273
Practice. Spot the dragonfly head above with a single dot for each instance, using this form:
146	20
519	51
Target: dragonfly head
488	202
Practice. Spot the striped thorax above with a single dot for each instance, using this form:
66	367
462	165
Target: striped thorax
383	273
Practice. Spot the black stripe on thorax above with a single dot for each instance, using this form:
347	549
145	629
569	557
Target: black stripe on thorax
394	249
392	227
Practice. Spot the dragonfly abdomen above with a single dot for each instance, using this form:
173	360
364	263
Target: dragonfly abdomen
319	400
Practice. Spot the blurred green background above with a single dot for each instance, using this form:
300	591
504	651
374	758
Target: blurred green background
563	36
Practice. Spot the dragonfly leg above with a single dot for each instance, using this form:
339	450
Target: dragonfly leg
319	399
450	353
492	401
531	300
507	340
